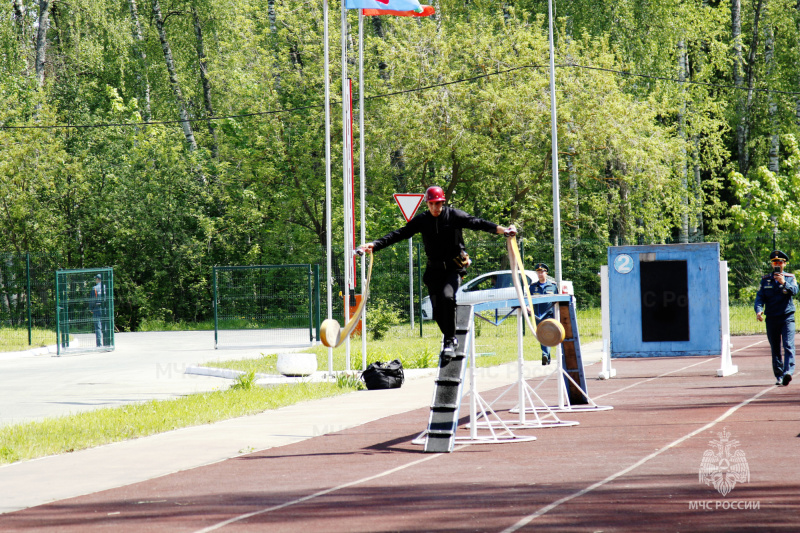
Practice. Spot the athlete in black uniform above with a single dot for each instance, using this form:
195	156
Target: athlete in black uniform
441	233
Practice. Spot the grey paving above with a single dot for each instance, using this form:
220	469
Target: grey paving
144	366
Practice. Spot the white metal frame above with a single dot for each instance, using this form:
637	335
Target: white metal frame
607	371
727	367
564	405
499	430
526	393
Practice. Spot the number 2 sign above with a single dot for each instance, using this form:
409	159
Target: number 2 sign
623	263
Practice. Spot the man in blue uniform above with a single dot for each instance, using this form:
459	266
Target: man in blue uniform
546	309
441	227
774	298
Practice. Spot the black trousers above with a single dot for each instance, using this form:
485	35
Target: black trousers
442	286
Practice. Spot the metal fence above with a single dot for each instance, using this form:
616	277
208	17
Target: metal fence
266	305
85	310
27	301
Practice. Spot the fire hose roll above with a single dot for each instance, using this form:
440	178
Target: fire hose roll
331	333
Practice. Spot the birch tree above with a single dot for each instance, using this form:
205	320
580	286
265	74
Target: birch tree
141	54
41	40
206	83
186	125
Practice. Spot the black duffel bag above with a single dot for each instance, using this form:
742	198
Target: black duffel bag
384	375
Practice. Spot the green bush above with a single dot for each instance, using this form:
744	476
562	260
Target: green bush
382	317
246	381
424	358
349	380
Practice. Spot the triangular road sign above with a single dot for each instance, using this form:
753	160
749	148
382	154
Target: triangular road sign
408	203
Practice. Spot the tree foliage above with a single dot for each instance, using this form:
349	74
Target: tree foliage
653	127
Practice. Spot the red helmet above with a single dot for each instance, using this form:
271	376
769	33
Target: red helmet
434	194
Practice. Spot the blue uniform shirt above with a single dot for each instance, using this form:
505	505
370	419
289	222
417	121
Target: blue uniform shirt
775	300
543	310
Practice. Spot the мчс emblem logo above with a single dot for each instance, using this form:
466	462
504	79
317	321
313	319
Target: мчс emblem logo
722	465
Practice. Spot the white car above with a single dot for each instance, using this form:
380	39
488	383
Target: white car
484	288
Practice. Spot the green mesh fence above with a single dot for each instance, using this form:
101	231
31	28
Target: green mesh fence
27	301
266	305
85	310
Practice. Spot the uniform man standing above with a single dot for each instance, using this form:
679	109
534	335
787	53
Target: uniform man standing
546	310
97	302
441	227
774	298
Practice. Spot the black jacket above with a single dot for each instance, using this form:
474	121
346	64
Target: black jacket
441	235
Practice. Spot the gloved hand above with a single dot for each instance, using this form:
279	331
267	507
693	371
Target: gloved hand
510	231
463	260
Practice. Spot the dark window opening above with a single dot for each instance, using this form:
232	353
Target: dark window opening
665	301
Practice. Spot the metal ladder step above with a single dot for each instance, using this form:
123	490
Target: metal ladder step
448	380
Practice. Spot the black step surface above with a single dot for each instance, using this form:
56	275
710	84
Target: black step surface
443	420
438	443
447	394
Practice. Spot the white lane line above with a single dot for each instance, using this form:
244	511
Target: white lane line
434	456
656	377
528	519
673	371
323	492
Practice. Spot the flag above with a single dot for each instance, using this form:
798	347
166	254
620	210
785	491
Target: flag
391	5
427	11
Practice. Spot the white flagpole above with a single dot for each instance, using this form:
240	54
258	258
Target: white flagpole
329	273
345	178
554	137
362	176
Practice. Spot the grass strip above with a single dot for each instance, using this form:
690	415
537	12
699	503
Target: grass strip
103	426
16	339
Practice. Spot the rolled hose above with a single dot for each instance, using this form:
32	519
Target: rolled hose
331	333
549	332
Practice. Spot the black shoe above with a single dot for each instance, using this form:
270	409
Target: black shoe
449	349
450	345
545	361
786	379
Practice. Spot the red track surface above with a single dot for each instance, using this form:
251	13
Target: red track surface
634	468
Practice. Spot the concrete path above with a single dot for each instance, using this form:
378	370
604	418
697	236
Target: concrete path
144	366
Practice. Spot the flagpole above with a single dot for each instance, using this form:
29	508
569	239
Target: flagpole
362	173
554	140
345	169
329	252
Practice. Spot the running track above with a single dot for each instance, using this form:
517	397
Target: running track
634	468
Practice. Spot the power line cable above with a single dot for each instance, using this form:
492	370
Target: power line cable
395	93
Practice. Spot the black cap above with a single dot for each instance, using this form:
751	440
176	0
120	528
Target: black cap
541	266
778	254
